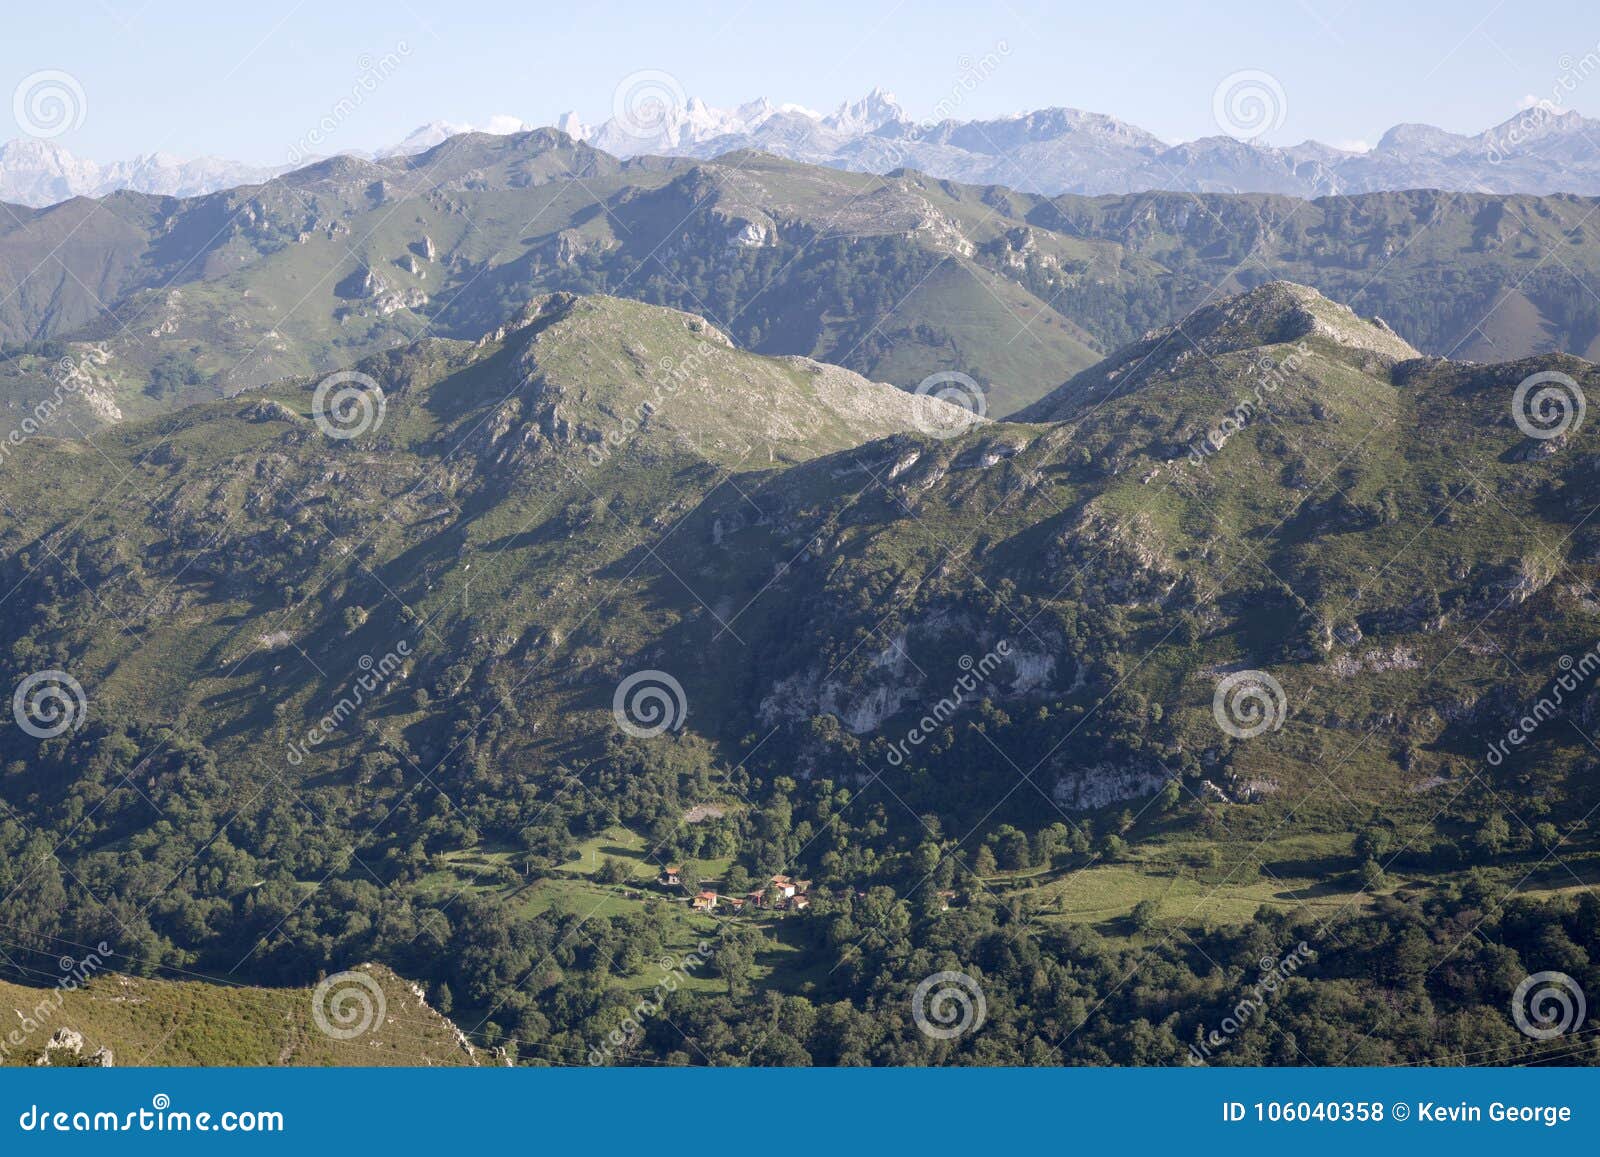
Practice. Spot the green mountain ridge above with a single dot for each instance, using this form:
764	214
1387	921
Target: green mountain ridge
362	698
896	277
1278	314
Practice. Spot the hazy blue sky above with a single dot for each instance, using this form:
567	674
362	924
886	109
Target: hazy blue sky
248	81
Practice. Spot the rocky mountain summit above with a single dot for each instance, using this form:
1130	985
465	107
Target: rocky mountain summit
1540	150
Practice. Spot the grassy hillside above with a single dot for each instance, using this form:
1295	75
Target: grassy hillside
144	1021
363	698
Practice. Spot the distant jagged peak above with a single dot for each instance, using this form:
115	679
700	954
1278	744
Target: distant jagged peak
42	172
573	125
866	115
1412	140
1537	123
1541	149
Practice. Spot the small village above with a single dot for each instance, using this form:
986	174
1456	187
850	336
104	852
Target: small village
781	894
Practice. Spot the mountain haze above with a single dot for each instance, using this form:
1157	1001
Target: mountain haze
1541	150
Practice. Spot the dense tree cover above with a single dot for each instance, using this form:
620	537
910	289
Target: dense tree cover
1069	996
180	836
275	894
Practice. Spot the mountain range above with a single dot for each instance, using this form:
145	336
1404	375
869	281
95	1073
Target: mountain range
1540	150
160	302
343	513
357	692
